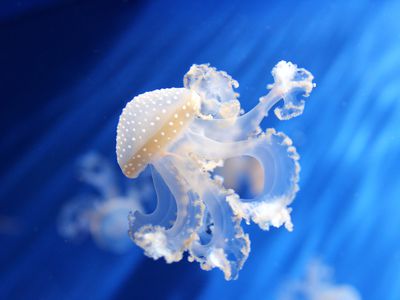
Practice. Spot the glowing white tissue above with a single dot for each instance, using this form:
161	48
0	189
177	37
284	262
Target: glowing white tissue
318	285
103	215
185	135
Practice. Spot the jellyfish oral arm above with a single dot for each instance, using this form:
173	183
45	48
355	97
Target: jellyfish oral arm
198	129
279	162
291	84
168	230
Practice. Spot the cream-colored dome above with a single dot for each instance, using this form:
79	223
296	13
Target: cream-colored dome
150	122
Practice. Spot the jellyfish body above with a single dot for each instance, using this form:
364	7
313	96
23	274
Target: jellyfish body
108	224
103	215
184	134
318	285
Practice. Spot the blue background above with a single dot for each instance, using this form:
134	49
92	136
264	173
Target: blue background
68	68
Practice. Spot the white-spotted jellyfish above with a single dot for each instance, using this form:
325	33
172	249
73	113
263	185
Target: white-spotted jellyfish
104	213
318	285
184	134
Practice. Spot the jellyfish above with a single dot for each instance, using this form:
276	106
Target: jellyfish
183	135
318	285
103	216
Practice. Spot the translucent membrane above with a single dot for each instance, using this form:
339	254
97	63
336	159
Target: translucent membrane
185	134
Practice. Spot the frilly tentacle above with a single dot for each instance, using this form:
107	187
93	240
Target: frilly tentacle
169	229
228	246
292	84
74	220
279	162
216	89
197	213
208	231
99	173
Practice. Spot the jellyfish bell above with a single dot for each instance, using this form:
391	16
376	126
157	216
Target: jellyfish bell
185	134
150	122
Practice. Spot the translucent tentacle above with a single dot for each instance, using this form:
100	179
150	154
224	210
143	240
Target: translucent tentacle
290	82
151	233
98	172
109	225
165	212
228	246
216	89
74	220
278	159
195	212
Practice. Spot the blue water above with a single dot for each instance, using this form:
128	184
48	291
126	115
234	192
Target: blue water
69	67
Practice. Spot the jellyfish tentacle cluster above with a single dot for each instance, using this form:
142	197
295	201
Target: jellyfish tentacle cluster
318	284
101	214
184	134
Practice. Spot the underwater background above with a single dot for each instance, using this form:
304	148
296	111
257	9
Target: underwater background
69	67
